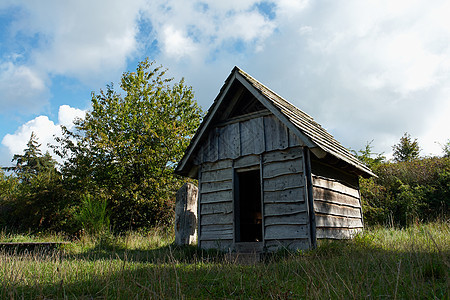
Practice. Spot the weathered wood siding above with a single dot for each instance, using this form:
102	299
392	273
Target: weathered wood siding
216	205
267	143
285	211
337	208
245	137
285	216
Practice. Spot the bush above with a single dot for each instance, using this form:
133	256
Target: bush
406	192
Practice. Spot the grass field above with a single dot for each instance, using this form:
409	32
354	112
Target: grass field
412	263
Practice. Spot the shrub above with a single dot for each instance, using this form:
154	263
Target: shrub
406	192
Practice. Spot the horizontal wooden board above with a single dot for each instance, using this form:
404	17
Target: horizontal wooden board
276	232
217	175
247	161
336	233
335	186
211	187
280	209
283	182
331	196
279	168
217	227
286	195
295	219
282	155
222	196
206	235
218	165
216	208
224	245
216	219
335	221
337	210
296	244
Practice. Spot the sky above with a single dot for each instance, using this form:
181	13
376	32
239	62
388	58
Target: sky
365	70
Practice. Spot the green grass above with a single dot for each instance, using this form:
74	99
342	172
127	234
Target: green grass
411	263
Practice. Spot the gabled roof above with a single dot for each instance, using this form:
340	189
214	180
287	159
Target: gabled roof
320	142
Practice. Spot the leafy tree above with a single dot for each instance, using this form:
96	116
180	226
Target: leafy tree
368	157
406	149
446	149
126	148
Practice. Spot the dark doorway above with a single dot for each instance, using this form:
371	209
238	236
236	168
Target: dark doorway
248	206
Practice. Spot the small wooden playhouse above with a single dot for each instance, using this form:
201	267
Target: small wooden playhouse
269	176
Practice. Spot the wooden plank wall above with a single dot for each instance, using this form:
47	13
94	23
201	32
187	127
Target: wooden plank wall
216	205
246	137
285	210
337	207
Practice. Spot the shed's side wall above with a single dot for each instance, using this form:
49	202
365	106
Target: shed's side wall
337	204
285	210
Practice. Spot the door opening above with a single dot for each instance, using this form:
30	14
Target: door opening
248	218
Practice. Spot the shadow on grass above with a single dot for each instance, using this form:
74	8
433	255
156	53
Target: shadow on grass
355	269
185	272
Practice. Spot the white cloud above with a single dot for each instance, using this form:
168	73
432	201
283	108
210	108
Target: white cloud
79	39
198	30
67	115
44	129
21	84
41	126
176	44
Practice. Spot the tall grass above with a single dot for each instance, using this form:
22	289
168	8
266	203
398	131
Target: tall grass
380	263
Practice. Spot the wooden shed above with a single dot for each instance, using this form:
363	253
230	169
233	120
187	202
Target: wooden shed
269	176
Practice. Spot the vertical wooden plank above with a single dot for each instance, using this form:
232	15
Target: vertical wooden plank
209	148
252	136
261	178
222	142
294	141
261	146
247	146
236	212
360	207
309	198
229	141
276	134
199	202
269	133
235	140
283	141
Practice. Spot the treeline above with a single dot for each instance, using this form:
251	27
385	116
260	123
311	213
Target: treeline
408	189
117	162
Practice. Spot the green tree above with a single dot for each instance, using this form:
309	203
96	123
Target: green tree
407	149
32	162
38	200
446	149
127	146
368	157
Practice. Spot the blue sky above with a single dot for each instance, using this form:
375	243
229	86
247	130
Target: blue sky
365	70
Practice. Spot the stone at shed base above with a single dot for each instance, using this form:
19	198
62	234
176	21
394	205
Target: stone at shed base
186	215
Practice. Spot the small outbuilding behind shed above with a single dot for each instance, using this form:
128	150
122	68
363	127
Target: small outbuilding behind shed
269	176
